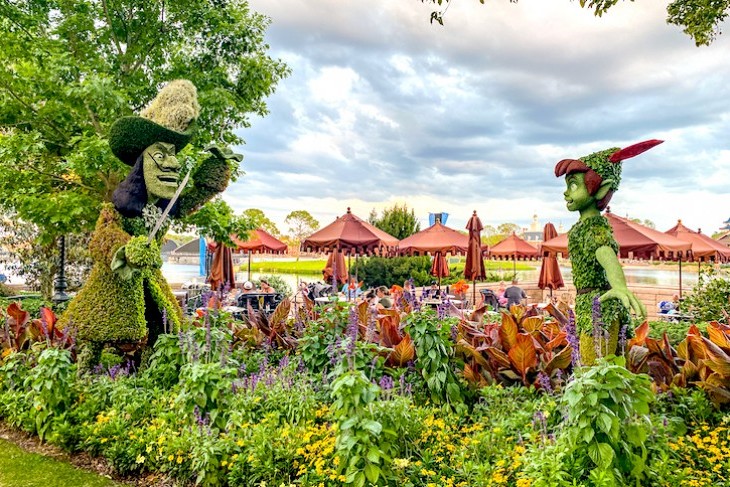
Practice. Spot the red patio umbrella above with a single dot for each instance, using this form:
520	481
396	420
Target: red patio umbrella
438	239
550	276
516	248
350	235
474	267
261	242
703	247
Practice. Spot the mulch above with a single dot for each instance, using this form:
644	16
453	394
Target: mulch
84	461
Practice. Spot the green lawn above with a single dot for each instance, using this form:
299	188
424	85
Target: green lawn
21	469
314	267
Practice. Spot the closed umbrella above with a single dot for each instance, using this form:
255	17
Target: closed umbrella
221	270
474	267
335	270
439	268
550	276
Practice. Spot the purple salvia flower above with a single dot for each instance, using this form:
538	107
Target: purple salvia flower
351	334
622	338
573	339
598	335
544	381
454	333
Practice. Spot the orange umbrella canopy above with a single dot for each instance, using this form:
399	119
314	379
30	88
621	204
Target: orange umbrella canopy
550	276
260	241
436	238
703	246
474	267
352	235
514	247
641	241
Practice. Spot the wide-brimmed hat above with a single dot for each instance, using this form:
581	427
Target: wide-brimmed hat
169	118
129	136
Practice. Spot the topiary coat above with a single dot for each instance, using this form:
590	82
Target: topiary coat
110	309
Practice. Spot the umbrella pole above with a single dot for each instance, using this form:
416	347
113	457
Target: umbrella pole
680	276
474	293
514	267
249	265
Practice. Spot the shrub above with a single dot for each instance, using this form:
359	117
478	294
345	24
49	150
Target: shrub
708	300
381	271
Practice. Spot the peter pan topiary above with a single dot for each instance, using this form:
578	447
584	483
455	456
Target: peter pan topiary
126	302
603	300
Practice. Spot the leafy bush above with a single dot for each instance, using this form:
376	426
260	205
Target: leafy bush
381	271
676	331
278	283
709	299
602	440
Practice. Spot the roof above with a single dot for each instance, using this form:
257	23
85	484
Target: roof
352	235
703	247
260	241
514	247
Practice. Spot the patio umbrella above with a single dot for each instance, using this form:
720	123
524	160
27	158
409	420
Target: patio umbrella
261	242
335	268
351	235
703	247
474	267
221	270
438	239
515	248
550	277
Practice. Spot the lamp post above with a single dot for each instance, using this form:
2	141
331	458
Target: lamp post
60	284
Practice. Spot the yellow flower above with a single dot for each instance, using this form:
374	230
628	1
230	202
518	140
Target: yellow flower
524	483
140	459
179	460
171	458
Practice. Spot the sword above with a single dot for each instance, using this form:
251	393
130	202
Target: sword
160	220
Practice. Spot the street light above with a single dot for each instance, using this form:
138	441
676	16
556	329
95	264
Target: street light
60	284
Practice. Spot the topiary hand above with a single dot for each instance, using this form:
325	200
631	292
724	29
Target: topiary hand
628	299
135	256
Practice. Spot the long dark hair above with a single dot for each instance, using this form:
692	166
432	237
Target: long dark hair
131	195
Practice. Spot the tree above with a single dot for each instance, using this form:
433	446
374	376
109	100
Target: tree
71	67
699	19
397	220
301	224
217	221
505	229
646	222
260	220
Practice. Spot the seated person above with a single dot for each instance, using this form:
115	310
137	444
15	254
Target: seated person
500	294
384	300
265	287
433	292
514	294
352	289
669	307
248	287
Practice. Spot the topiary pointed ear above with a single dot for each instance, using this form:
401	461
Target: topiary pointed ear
603	189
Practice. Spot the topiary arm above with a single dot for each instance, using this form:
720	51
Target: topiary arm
209	179
619	290
135	256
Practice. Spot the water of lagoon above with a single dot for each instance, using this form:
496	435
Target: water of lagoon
643	276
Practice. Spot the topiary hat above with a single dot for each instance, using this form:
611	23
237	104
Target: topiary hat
169	118
607	163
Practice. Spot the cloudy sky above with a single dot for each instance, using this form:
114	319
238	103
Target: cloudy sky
382	107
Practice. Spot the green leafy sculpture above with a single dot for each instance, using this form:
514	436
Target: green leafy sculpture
603	301
126	302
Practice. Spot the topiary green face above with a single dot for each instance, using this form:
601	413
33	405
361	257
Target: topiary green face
577	196
161	171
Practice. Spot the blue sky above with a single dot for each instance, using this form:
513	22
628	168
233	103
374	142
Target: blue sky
382	107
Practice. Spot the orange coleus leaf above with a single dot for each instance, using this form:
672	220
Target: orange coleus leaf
508	331
560	360
403	353
389	334
718	335
532	324
718	360
561	339
473	376
640	334
16	312
498	356
523	355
